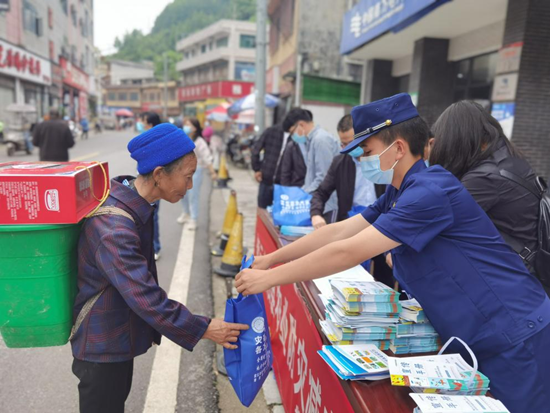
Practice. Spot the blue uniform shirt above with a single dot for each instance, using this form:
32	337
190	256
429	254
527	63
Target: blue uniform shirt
452	259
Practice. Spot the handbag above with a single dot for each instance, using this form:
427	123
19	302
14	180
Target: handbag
248	365
291	206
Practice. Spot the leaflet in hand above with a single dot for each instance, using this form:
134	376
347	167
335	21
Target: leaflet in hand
438	403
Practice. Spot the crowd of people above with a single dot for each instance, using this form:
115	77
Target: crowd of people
458	223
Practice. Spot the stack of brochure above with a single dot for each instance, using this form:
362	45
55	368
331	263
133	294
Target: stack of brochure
361	312
293	231
414	333
445	374
360	362
438	403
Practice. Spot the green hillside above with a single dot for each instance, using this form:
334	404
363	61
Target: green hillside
178	19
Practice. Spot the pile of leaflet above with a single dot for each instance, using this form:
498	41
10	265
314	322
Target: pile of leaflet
360	362
439	403
444	374
361	312
414	332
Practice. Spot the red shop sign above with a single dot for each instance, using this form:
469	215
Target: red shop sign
223	89
305	381
73	76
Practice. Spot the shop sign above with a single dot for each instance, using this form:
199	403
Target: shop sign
371	18
504	113
225	89
509	58
4	5
504	87
20	63
305	381
73	76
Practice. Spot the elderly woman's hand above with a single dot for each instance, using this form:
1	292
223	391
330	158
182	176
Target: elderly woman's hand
252	281
224	333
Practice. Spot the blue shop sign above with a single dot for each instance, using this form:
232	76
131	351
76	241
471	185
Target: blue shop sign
371	18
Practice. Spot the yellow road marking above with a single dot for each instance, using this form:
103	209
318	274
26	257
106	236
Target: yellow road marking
84	157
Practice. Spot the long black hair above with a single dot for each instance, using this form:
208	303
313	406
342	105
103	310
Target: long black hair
465	135
197	125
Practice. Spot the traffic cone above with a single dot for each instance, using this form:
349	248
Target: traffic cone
230	214
233	254
223	175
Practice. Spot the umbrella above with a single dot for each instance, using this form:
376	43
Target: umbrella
246	117
249	102
124	113
219	113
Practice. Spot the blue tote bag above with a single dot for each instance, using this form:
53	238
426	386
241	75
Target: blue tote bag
248	366
291	205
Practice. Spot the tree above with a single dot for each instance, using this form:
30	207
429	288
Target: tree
173	58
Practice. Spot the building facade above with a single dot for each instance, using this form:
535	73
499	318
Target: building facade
494	52
46	55
218	64
305	66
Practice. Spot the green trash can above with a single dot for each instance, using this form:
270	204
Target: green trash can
38	270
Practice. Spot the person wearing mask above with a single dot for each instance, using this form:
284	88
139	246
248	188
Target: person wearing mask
352	189
271	143
320	149
120	309
470	144
192	128
54	138
447	252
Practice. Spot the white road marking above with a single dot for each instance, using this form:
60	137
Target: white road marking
162	392
85	157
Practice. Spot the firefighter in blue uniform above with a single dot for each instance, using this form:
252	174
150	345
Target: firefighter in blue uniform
447	253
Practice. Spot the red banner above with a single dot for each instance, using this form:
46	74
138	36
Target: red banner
306	383
222	89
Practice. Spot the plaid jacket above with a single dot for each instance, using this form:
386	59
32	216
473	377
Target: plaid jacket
117	255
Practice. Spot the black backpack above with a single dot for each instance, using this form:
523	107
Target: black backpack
538	260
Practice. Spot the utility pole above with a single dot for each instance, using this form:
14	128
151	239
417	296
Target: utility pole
261	42
165	109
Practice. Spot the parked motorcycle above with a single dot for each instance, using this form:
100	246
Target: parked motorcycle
239	149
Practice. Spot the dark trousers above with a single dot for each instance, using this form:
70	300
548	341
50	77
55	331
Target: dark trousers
103	387
265	195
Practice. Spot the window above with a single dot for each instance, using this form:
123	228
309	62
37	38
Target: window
172	94
223	42
248	41
134	96
122	96
73	15
31	21
52	51
210	45
203	48
474	78
74	59
65	6
85	24
186	55
152	97
112	96
50	18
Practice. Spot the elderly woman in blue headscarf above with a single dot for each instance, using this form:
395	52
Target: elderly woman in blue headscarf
120	310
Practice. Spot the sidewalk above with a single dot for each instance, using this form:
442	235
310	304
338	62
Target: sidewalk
268	400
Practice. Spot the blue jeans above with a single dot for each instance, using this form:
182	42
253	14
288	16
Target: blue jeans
191	199
156	232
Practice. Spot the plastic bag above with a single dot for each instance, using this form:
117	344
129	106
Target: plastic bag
248	366
291	205
356	210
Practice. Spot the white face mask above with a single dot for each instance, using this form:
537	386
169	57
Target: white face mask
370	168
